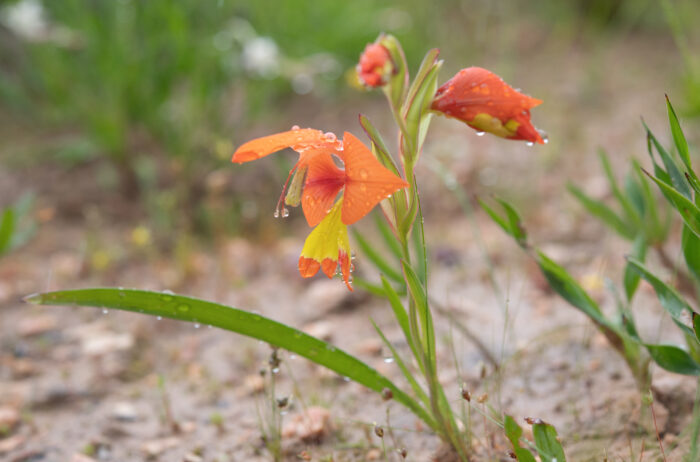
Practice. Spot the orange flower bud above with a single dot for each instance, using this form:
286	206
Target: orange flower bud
375	66
482	100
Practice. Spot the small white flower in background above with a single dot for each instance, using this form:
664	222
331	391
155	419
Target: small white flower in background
26	19
261	57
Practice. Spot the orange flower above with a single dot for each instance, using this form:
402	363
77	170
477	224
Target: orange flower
375	65
328	247
482	100
365	180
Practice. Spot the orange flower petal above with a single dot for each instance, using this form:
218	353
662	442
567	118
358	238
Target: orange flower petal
324	181
367	181
485	102
296	139
308	267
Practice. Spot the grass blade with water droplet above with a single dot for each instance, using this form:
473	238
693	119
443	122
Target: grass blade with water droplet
239	321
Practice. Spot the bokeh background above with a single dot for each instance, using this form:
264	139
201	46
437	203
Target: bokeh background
118	119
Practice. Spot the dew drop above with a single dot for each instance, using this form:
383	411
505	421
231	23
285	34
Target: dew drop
183	308
285	212
297	335
530	143
292	356
480	133
105	311
197	326
275	370
363	174
346	378
277	213
159	318
295	127
330	136
388	360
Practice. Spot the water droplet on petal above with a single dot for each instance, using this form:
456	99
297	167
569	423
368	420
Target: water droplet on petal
480	133
285	212
295	127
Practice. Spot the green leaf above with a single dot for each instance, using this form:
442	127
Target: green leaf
239	321
400	314
419	106
420	299
523	455
513	431
690	243
678	179
687	209
388	235
372	255
426	66
602	212
566	286
511	223
682	146
631	277
631	213
548	446
671	300
419	392
696	325
7	227
674	359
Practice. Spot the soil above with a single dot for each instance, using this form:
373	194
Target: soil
78	384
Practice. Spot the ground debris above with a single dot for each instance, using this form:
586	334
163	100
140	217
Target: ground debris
154	448
310	426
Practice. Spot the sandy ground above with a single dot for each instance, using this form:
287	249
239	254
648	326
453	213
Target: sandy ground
79	384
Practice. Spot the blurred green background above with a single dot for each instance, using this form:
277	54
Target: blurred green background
149	98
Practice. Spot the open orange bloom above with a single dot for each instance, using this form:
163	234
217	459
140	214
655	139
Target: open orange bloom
364	180
482	100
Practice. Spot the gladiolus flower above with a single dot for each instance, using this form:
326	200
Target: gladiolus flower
328	247
375	65
482	100
364	180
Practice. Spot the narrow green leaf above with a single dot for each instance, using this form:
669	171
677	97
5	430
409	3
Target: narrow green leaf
687	209
602	212
682	146
513	430
674	359
510	223
656	228
420	298
690	243
566	286
388	235
696	325
677	178
548	446
426	66
635	194
239	321
400	314
671	300
523	455
631	212
631	277
417	389
420	104
7	227
372	255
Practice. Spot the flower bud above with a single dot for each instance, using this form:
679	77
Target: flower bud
375	66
